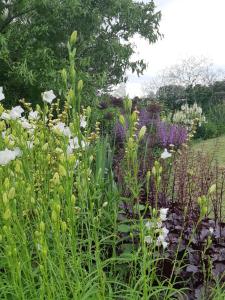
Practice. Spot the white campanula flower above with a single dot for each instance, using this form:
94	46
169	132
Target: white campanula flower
30	144
148	239
164	244
63	129
83	122
2	96
25	124
48	96
148	225
34	115
161	241
164	232
74	144
211	230
5	116
163	214
16	112
8	155
165	154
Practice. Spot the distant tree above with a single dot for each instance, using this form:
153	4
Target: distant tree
34	33
172	95
191	71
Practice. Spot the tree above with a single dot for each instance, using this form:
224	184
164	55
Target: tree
191	71
34	33
172	95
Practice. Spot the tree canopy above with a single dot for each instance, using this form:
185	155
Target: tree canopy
34	34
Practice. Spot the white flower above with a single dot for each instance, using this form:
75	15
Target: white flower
5	116
25	124
148	225
8	155
164	232
33	115
148	239
165	154
63	129
48	96
163	213
2	96
211	230
16	112
83	122
159	224
30	144
164	244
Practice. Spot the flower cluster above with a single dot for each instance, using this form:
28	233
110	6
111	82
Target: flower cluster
156	230
30	123
189	116
171	134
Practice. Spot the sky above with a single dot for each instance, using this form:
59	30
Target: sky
190	28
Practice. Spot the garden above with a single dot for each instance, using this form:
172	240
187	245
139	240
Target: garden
104	199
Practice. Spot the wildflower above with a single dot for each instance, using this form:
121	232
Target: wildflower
211	230
142	132
148	225
163	213
30	144
16	112
48	96
165	154
2	96
83	122
8	155
33	115
25	124
164	232
148	239
5	116
61	127
161	238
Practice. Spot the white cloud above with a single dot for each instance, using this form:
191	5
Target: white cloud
190	28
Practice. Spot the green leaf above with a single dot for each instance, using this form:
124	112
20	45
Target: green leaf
124	228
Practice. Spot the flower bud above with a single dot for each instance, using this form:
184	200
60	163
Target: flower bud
7	214
142	132
80	85
62	171
122	120
212	189
11	193
56	179
73	38
42	227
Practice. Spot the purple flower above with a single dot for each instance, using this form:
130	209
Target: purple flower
170	134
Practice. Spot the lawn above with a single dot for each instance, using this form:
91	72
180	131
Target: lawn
215	147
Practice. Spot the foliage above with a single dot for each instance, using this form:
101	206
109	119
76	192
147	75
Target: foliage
67	230
33	40
171	95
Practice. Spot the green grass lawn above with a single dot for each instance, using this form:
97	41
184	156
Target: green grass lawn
214	147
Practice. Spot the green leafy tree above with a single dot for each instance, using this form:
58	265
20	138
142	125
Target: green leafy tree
34	33
172	95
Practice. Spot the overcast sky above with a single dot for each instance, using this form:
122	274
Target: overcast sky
190	28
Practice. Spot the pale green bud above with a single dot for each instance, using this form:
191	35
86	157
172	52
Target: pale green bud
142	132
73	38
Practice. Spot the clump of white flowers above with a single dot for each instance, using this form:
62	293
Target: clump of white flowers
189	116
156	230
30	127
6	156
